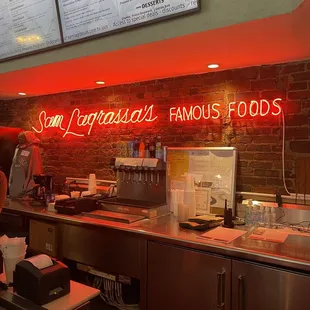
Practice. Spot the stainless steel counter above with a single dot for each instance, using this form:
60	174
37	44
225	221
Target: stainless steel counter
294	253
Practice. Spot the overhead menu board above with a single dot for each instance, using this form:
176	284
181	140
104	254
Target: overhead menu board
84	18
27	26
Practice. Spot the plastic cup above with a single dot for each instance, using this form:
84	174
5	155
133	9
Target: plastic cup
75	194
9	266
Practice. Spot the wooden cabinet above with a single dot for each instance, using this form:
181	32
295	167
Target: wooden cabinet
181	279
256	287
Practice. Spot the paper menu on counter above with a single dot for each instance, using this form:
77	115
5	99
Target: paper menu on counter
223	234
270	235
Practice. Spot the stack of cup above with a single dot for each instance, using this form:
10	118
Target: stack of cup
190	195
176	198
13	251
92	183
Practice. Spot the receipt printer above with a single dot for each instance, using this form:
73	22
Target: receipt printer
41	279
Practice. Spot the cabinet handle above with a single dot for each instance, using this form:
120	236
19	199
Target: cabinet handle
221	289
240	293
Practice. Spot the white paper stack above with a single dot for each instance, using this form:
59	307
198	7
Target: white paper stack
13	251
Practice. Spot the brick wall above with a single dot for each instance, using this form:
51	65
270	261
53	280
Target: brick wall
258	140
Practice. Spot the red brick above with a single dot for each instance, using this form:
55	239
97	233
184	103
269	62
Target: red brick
245	171
308	66
296	133
267	72
154	88
279	182
266	173
300	146
214	97
276	148
246	156
194	99
306	104
240	147
241	139
258	131
213	88
243	164
288	164
245	73
239	85
263	84
265	139
290	107
273	94
259	148
173	84
301	94
253	180
137	89
192	82
244	188
298	86
267	156
231	97
302	76
262	189
296	120
293	68
247	96
284	81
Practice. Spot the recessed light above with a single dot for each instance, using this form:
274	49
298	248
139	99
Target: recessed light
100	82
213	66
22	94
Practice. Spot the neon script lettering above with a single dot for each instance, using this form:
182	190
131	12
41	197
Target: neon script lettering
211	111
79	120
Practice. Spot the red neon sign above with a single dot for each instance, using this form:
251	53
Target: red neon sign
254	108
211	111
77	119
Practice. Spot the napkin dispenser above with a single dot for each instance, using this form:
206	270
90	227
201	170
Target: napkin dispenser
41	279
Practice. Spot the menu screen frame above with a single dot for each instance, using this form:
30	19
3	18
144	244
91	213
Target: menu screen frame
40	50
100	35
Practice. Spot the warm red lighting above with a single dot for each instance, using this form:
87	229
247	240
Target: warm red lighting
77	119
72	124
213	66
196	112
211	111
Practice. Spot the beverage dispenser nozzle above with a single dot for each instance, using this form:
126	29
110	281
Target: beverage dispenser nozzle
122	170
152	175
145	175
158	178
134	172
140	174
127	170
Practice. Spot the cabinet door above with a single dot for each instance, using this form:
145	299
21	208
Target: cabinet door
180	279
255	287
